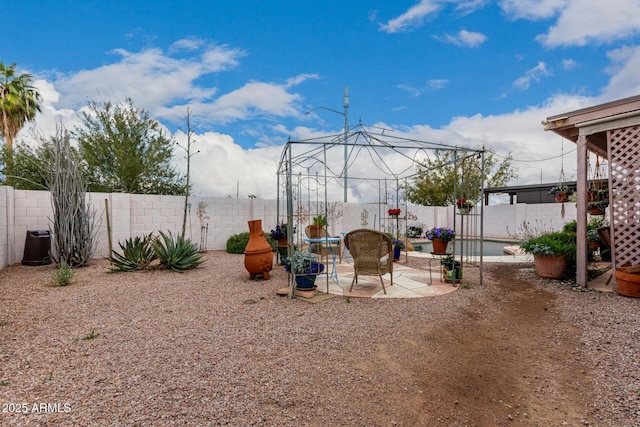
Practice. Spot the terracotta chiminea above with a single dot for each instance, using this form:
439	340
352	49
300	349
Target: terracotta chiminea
258	255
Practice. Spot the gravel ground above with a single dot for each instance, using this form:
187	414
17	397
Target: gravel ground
210	347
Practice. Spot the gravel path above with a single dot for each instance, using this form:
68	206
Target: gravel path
210	347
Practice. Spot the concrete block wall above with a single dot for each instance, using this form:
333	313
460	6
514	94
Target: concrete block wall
6	224
133	215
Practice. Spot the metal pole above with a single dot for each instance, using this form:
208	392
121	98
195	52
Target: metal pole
346	135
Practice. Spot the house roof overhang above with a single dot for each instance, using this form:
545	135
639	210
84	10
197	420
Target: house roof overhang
595	121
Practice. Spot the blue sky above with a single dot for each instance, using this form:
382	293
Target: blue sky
465	72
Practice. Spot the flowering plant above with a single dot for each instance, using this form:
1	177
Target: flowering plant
464	203
280	232
414	231
444	234
394	211
559	190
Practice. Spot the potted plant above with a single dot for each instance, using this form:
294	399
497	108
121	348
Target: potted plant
305	266
597	208
317	225
464	205
394	212
398	245
598	195
451	269
414	231
593	238
440	237
552	253
560	193
279	234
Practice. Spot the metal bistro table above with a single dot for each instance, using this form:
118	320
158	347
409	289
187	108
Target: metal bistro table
330	243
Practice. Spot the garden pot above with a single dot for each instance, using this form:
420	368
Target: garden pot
561	197
396	254
283	243
452	271
596	211
463	211
439	247
315	231
305	281
258	255
628	281
550	266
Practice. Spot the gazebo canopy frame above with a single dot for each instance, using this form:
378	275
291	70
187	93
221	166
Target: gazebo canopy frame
375	160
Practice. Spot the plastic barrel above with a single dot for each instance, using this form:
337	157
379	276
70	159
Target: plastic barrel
37	248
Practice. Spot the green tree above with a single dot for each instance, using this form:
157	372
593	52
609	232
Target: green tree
19	103
30	165
434	183
125	150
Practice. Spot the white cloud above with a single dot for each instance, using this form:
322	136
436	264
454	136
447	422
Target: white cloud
579	22
150	77
569	64
465	38
625	80
534	73
532	9
188	44
165	85
432	85
437	84
597	22
412	18
415	16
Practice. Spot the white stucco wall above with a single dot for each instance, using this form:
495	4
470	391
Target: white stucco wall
135	214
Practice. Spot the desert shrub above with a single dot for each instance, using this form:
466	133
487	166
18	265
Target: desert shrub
63	274
137	254
176	253
237	243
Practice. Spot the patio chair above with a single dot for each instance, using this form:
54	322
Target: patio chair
372	253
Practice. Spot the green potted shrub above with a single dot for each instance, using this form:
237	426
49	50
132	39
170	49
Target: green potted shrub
317	225
552	253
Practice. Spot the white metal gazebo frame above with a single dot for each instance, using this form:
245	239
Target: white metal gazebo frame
321	159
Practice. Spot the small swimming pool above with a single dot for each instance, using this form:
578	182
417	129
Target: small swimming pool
469	247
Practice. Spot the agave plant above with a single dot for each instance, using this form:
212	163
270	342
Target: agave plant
137	254
176	253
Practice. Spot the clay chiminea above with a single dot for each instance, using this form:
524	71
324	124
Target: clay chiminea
258	255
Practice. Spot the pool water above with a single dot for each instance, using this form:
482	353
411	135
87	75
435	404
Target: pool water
468	247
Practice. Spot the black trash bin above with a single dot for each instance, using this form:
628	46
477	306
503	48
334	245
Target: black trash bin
37	248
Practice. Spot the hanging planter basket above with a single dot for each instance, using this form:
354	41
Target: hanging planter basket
561	197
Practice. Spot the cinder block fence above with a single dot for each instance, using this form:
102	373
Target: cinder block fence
137	214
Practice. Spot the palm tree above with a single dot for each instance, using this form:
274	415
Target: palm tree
19	103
